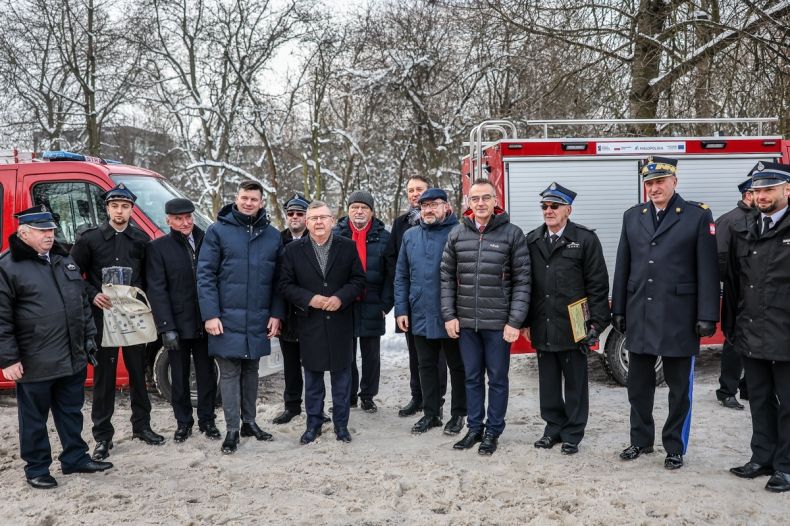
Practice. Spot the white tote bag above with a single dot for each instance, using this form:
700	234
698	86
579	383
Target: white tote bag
129	321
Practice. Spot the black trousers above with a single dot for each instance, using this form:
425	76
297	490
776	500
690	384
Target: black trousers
678	373
104	390
430	353
731	378
205	378
64	397
292	371
769	401
564	372
414	370
368	384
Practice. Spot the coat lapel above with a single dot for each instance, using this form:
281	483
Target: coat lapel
333	250
307	247
539	238
671	215
646	219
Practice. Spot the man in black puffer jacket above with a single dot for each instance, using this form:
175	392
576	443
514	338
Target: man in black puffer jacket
485	299
371	238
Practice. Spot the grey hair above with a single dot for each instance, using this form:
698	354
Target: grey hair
23	228
316	204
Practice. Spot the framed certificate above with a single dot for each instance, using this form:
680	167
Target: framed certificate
579	313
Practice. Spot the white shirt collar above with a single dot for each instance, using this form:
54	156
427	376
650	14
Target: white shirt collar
549	233
775	217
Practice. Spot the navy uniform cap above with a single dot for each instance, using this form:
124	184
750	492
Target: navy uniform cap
431	194
770	174
179	205
557	193
745	186
657	167
119	193
38	217
297	202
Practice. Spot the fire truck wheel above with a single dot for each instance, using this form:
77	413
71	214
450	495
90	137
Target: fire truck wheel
615	359
164	384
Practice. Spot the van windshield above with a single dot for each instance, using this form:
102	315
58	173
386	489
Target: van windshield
152	194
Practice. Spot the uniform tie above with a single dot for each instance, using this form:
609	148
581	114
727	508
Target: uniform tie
553	239
659	215
45	257
766	225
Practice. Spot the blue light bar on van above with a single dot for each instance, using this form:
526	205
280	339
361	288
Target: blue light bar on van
58	155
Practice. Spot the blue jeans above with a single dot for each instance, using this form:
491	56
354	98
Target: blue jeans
315	392
485	351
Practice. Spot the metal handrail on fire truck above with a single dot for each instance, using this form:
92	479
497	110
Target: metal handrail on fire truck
503	126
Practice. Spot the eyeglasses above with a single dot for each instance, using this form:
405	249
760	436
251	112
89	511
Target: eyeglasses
477	198
297	214
319	218
433	205
553	206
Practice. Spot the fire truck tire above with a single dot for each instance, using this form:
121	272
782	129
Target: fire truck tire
165	386
615	360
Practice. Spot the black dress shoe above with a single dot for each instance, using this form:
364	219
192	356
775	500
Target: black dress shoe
325	418
569	449
673	461
412	408
102	449
454	426
211	431
751	470
183	431
310	434
369	406
231	442
425	423
342	434
92	466
353	403
149	437
779	482
285	417
632	452
488	445
546	442
471	438
731	403
43	482
252	430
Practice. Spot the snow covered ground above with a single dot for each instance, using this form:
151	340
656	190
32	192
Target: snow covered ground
388	476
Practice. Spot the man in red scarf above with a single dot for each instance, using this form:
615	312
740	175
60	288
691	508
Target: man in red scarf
371	239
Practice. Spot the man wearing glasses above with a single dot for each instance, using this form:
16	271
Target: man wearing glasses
485	276
418	309
295	210
568	267
321	278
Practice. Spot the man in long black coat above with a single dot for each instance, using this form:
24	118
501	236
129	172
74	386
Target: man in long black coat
321	276
567	266
730	380
171	267
759	270
665	297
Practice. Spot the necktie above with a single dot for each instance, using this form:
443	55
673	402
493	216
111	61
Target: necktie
45	257
481	228
766	225
659	215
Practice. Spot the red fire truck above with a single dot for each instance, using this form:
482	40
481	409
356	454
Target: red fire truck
603	171
71	185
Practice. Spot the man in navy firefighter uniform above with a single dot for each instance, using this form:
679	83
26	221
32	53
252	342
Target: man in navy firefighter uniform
759	272
567	266
665	297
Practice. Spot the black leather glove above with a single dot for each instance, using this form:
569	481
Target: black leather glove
705	328
90	351
618	322
170	341
591	338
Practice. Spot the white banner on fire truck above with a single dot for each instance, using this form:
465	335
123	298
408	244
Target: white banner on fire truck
639	148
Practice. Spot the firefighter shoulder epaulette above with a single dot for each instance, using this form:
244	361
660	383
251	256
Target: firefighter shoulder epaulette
697	203
643	207
584	227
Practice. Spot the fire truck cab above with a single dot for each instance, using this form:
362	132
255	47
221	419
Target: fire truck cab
71	185
603	171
